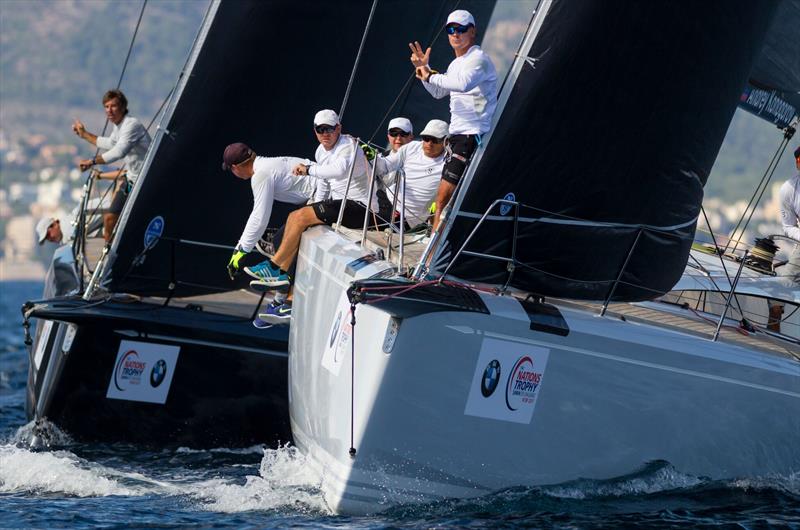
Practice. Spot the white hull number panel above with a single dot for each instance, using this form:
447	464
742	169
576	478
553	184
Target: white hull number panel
143	372
507	381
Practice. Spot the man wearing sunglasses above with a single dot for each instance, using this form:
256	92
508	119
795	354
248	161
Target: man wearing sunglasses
399	133
271	179
471	83
421	162
334	157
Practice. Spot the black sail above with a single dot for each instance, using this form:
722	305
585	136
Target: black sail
607	140
263	70
773	87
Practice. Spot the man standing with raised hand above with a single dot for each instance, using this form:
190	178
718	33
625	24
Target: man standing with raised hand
471	82
128	141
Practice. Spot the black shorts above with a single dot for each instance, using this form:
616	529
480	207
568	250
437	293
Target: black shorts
460	148
328	212
119	198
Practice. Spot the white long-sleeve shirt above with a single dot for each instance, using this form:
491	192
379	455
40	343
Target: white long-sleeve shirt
422	179
333	168
471	81
272	180
790	207
128	140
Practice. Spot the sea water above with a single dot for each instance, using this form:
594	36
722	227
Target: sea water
111	485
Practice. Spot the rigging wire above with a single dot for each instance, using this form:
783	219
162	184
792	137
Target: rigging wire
358	59
760	189
80	241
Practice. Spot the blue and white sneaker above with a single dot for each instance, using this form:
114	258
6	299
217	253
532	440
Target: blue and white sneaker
261	286
261	324
268	273
277	313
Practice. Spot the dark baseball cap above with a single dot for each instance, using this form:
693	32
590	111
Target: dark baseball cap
235	154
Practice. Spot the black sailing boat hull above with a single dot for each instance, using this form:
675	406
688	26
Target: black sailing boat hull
143	374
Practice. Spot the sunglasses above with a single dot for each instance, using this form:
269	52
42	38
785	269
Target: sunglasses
431	139
322	129
394	133
457	28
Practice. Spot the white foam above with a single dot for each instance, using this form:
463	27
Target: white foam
663	479
22	470
284	481
253	449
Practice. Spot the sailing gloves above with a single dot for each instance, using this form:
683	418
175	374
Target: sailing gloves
233	264
369	151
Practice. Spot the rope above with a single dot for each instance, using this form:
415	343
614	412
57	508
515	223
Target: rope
358	58
408	81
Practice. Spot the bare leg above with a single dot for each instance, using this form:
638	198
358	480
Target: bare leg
775	317
109	222
296	224
443	196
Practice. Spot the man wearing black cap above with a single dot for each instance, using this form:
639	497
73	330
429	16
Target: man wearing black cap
471	83
271	179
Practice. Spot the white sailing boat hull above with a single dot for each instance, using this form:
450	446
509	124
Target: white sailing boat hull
600	402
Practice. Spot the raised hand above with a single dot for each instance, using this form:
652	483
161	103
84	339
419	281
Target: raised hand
418	57
78	127
423	73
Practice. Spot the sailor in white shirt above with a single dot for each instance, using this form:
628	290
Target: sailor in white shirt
471	82
50	229
398	133
271	180
421	163
790	219
128	141
335	156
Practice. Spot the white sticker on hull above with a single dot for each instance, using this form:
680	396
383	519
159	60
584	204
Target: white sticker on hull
507	381
338	340
44	336
143	372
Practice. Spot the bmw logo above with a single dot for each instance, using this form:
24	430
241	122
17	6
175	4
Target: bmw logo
491	376
505	208
158	373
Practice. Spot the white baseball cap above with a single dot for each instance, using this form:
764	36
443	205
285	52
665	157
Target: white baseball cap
41	228
435	128
460	16
401	123
326	117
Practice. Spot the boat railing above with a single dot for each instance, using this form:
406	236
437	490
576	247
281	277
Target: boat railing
400	184
174	281
513	263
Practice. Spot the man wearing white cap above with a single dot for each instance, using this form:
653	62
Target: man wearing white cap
471	82
335	156
421	162
398	134
50	229
271	179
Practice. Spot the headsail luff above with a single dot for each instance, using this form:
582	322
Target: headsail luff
773	87
609	138
263	70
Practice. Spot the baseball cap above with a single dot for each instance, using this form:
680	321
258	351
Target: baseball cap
235	154
435	128
460	16
326	117
41	228
401	123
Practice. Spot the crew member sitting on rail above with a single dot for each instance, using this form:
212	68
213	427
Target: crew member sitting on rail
335	156
421	162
